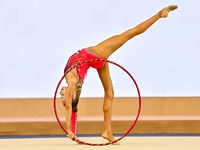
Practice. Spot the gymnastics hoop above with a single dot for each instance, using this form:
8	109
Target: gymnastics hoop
90	144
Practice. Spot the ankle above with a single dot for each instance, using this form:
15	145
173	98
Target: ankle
106	132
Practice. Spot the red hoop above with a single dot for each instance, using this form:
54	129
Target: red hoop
81	142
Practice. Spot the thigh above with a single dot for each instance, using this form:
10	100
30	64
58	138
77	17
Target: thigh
104	75
109	46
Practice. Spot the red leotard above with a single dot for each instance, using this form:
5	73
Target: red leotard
82	56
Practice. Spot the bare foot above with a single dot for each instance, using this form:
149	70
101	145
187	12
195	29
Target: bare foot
165	11
109	137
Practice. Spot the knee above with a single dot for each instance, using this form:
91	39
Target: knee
109	95
129	34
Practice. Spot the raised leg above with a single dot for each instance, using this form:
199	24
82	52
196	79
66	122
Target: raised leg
107	47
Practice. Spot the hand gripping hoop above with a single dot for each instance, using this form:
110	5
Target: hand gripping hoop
77	140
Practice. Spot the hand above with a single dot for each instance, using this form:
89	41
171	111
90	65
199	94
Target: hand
71	135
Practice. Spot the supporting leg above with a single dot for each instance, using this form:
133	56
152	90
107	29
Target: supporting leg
104	75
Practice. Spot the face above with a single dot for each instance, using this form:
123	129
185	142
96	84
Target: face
63	94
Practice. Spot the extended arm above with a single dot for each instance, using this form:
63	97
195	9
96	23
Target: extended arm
72	81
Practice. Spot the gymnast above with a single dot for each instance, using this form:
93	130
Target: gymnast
75	78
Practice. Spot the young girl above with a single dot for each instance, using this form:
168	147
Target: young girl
70	95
